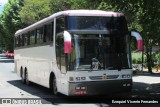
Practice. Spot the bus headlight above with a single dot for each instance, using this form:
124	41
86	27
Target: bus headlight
83	78
126	76
123	76
77	78
80	78
129	76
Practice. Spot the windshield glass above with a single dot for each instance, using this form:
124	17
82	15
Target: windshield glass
99	52
96	23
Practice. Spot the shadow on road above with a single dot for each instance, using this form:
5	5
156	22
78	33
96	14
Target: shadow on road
46	94
140	91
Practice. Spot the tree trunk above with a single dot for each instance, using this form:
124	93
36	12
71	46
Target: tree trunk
149	63
149	56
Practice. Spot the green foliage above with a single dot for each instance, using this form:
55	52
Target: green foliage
59	5
84	4
137	58
133	60
10	22
142	15
149	20
2	41
156	57
105	6
34	10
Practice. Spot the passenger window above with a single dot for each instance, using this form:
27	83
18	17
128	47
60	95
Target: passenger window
21	42
32	37
40	35
28	38
25	40
48	32
16	43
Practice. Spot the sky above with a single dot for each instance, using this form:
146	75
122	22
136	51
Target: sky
2	3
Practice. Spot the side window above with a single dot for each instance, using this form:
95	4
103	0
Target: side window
32	37
60	25
21	41
48	32
40	35
25	39
16	42
28	38
52	31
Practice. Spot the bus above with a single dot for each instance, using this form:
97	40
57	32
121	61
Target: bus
76	52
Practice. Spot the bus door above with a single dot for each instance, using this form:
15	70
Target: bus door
61	58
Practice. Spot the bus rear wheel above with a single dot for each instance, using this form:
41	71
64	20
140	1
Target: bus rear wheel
26	78
22	76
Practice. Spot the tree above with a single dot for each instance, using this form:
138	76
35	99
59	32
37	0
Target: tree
2	42
84	4
149	20
59	5
35	10
10	22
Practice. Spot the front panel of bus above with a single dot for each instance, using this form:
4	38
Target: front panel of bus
100	59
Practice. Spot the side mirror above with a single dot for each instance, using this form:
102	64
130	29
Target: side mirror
67	42
139	40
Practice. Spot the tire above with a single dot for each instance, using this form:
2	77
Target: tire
54	86
23	76
26	78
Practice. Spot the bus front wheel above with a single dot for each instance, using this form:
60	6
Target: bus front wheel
54	86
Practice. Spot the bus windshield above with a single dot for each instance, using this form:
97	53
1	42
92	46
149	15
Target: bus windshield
99	52
96	23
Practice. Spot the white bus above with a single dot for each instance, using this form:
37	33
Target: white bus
76	52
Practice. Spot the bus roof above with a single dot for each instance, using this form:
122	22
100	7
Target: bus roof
70	13
91	13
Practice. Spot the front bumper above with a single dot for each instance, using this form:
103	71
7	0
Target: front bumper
100	87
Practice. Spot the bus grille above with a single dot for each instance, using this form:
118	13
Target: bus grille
102	77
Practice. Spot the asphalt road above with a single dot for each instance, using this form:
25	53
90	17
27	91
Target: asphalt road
146	87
